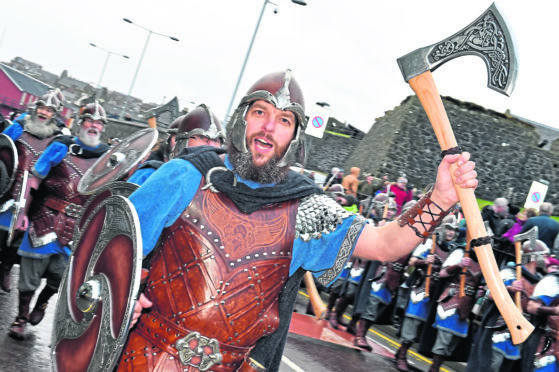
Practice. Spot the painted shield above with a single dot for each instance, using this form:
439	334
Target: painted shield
8	164
97	294
116	163
113	188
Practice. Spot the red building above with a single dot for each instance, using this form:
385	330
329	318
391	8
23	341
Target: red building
18	91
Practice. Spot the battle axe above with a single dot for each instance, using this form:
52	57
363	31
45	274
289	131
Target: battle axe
487	37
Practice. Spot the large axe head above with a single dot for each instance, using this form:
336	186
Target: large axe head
487	37
531	235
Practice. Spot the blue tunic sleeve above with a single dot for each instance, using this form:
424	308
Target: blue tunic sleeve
141	175
325	255
163	197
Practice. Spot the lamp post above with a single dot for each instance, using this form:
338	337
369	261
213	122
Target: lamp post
104	66
298	2
150	32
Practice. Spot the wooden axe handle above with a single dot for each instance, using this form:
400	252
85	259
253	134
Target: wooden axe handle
314	297
430	266
465	269
427	92
518	249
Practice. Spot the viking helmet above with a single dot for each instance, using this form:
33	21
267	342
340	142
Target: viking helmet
534	250
380	200
200	121
282	91
93	111
53	99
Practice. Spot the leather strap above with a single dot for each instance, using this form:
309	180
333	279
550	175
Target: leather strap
69	209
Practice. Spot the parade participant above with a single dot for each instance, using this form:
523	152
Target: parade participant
421	301
31	133
343	290
494	345
200	127
225	232
50	213
544	304
453	309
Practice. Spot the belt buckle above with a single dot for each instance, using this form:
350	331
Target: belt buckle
72	210
198	351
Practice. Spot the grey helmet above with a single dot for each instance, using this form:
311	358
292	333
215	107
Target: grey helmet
53	98
282	91
534	250
93	111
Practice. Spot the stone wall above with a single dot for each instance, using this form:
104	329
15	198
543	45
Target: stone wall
505	149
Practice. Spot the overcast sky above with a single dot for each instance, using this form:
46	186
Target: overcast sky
341	52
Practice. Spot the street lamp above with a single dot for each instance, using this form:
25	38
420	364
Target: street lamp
105	65
298	2
141	59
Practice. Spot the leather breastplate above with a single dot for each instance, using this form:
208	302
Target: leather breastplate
450	299
58	210
29	148
218	272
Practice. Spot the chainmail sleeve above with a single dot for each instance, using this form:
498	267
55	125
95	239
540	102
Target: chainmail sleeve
319	214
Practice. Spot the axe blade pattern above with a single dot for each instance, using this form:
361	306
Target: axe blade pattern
488	37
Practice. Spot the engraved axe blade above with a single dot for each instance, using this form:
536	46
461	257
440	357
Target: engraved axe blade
531	235
488	37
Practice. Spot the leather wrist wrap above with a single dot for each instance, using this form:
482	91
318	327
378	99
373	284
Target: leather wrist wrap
425	212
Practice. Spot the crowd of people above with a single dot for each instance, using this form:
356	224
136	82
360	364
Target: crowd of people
235	229
436	297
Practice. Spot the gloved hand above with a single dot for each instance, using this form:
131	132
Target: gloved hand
51	157
14	131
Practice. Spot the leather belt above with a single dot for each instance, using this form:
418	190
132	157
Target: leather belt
69	209
166	335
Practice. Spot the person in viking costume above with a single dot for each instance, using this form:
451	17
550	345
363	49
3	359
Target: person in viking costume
421	300
31	132
52	206
200	127
494	345
228	239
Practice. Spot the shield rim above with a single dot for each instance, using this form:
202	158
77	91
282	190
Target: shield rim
105	357
10	144
85	185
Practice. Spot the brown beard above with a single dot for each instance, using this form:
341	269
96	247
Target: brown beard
39	129
268	173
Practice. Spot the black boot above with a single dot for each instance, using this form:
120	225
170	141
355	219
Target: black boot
360	339
338	319
331	302
352	325
5	282
17	328
401	353
38	312
437	362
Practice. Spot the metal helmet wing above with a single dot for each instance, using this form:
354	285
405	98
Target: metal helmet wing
52	98
94	111
282	91
200	121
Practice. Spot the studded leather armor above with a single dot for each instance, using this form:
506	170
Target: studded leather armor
390	274
418	289
214	282
29	149
57	213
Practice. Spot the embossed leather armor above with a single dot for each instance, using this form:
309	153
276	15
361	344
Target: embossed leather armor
54	217
450	301
29	149
214	282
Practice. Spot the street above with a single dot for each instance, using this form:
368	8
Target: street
302	354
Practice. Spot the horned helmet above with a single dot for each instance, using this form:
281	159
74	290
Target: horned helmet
282	91
200	121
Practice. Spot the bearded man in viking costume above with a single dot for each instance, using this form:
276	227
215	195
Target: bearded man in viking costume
227	240
49	215
31	132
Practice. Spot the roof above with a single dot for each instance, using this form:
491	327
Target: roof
25	82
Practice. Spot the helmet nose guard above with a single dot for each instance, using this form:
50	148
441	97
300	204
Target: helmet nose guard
94	111
282	91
